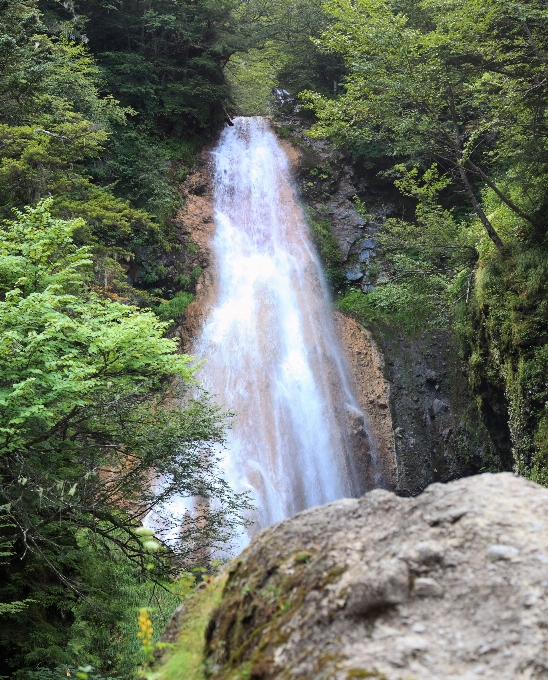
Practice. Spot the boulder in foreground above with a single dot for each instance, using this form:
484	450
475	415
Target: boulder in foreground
450	584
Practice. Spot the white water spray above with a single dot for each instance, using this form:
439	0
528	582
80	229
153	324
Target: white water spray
271	352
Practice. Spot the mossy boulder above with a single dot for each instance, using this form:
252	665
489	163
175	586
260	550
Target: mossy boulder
449	584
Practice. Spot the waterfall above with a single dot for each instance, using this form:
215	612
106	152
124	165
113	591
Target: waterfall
269	343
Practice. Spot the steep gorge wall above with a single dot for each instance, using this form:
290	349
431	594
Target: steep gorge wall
432	426
372	389
413	389
196	221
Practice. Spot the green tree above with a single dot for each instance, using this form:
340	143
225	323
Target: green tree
54	122
96	405
276	50
458	82
165	61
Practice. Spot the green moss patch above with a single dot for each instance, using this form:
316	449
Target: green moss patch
186	658
362	673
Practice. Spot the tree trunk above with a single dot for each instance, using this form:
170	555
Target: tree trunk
491	231
502	197
479	210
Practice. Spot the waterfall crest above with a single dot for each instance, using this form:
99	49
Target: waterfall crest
272	355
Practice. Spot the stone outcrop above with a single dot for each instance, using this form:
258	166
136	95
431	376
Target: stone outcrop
449	584
372	390
438	432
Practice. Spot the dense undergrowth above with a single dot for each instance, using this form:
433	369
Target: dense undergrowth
96	405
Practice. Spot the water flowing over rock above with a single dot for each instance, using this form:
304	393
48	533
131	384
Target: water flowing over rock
272	355
451	584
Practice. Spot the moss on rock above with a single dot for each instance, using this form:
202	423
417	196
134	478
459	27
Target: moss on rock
181	650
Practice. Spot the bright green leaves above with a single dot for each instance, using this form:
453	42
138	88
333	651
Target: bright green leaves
61	352
453	81
46	158
37	251
76	78
383	56
94	406
436	229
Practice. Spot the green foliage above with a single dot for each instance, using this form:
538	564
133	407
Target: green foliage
59	127
461	84
275	51
405	304
452	81
427	264
163	61
186	659
60	673
356	303
183	281
10	608
143	170
174	308
96	401
100	629
95	404
64	134
505	335
252	77
195	274
327	246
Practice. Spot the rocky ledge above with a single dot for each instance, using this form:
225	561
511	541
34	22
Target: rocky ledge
450	584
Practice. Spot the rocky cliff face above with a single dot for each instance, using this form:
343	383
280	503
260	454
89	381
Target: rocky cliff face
195	221
449	584
372	390
432	430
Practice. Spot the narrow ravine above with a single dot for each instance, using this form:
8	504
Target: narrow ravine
272	355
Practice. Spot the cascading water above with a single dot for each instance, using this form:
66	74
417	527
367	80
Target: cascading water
271	352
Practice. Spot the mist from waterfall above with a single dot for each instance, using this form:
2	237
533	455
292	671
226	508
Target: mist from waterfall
269	343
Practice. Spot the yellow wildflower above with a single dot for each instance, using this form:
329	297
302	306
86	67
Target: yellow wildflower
145	627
